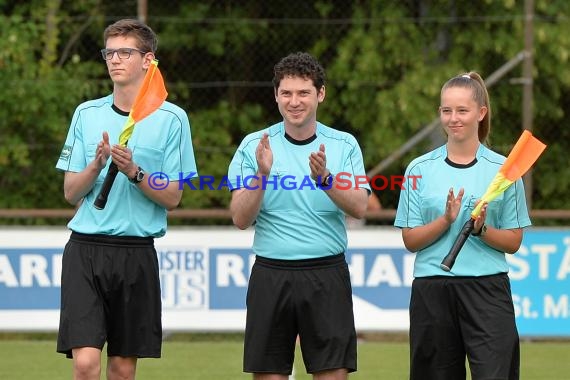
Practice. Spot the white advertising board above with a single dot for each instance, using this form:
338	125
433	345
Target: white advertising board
204	274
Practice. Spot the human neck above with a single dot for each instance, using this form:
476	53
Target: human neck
124	97
301	132
462	152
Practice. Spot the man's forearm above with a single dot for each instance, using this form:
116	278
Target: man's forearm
77	185
246	203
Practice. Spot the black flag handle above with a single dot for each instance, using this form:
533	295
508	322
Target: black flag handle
449	260
101	199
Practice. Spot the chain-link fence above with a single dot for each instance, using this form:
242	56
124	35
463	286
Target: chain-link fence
385	63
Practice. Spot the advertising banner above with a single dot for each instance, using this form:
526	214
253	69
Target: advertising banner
204	274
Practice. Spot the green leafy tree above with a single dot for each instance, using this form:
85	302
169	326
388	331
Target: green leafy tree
38	97
392	63
386	62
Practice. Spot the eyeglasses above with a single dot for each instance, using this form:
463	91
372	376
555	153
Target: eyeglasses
123	53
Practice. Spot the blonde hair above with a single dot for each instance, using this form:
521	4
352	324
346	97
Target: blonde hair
473	81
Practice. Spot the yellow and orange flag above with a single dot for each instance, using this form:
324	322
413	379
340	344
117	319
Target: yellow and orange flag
151	95
523	155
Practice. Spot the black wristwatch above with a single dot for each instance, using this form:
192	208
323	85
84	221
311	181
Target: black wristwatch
139	176
327	181
481	231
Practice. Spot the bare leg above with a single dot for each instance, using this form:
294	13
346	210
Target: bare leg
333	374
269	376
119	368
86	363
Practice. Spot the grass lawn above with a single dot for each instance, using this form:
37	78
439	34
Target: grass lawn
219	358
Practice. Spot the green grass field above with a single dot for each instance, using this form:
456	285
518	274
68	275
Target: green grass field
219	358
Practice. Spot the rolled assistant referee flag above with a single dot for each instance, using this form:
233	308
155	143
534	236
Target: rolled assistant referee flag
523	155
151	95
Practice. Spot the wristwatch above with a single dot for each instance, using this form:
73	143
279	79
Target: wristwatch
327	181
139	176
481	231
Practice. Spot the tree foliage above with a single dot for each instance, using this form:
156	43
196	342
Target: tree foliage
36	104
385	62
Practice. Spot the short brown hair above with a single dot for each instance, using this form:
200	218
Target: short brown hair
145	36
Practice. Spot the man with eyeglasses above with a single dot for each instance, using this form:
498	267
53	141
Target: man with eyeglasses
110	287
122	53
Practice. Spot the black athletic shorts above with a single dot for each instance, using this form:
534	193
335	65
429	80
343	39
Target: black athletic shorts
110	292
452	318
309	298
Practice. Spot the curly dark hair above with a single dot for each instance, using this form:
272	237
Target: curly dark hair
302	65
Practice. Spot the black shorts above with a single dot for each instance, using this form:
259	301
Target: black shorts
455	317
309	298
110	292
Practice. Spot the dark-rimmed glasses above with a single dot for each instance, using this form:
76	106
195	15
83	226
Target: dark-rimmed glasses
123	53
